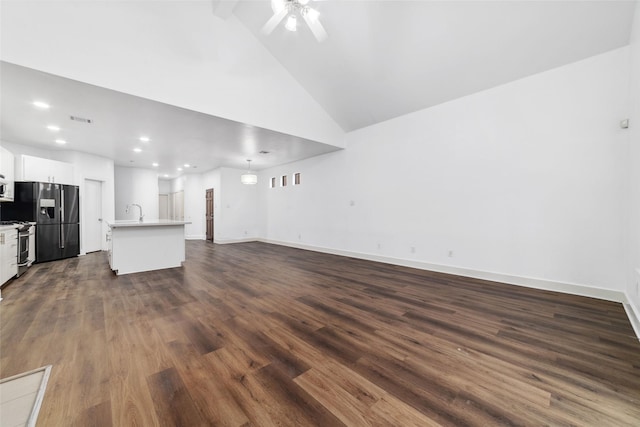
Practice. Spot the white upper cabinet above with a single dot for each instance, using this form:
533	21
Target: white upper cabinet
7	175
29	168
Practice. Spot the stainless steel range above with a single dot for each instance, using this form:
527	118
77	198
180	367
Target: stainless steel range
26	242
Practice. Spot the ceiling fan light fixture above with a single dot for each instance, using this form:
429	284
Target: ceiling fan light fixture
292	10
292	23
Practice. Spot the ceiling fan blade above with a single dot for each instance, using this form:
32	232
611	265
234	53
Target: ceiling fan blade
273	22
277	5
316	27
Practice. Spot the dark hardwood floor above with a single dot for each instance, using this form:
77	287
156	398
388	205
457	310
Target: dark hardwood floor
257	334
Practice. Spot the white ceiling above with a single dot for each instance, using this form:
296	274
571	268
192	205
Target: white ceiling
384	59
118	120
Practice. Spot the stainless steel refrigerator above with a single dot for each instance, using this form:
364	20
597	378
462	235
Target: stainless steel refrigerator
55	209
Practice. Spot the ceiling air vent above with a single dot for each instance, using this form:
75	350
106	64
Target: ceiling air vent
264	152
80	119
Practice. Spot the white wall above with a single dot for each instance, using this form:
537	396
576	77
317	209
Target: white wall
164	186
633	265
235	205
523	180
135	185
18	149
194	204
315	212
238	209
85	166
186	56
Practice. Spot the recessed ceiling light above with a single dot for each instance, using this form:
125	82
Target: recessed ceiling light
53	128
41	104
180	169
145	139
187	165
137	150
166	175
154	164
61	141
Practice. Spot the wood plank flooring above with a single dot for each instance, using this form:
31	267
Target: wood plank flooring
261	335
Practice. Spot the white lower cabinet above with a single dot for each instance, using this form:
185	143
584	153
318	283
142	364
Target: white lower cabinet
8	254
110	248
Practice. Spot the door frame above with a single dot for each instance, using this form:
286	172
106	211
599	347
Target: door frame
165	214
84	215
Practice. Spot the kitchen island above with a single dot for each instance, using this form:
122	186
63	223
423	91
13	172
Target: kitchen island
136	246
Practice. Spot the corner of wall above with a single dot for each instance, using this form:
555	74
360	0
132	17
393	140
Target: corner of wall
633	179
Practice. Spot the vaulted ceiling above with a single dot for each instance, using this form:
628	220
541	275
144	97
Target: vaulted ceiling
384	59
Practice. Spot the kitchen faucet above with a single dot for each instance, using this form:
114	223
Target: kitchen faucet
139	207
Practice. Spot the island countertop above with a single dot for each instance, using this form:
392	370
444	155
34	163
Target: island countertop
154	244
145	223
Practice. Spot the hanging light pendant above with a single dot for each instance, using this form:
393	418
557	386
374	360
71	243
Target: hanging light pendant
249	178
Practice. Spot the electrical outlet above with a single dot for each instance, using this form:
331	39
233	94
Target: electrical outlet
413	249
379	246
299	236
450	254
245	232
352	203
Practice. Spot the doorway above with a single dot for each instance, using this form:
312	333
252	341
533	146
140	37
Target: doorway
163	206
209	213
92	221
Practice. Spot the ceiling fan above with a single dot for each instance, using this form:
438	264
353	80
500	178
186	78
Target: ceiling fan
292	9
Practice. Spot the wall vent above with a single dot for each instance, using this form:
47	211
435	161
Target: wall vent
80	119
264	152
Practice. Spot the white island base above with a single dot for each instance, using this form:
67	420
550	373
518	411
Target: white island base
145	246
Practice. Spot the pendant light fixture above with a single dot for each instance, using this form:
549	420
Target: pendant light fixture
249	178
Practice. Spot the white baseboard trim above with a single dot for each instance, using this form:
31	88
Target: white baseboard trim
227	241
548	285
633	313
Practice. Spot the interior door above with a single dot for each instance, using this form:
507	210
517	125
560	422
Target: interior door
209	213
163	206
92	215
178	206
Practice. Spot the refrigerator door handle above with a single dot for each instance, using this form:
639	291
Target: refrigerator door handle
62	236
62	206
